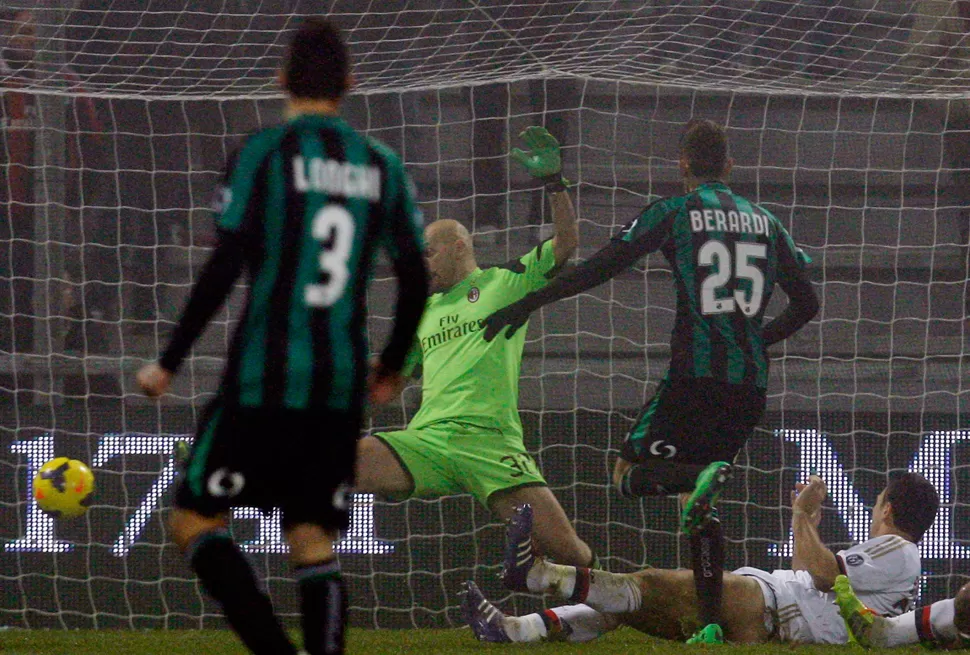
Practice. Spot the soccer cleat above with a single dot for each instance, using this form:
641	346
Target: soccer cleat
482	617
182	451
519	557
859	619
709	634
707	490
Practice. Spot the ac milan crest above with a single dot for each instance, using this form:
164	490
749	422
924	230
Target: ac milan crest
473	294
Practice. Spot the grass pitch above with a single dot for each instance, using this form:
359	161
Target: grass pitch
369	642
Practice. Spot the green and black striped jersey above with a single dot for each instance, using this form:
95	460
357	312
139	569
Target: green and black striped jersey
727	254
303	208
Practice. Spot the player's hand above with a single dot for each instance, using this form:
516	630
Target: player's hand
385	386
543	158
154	380
808	498
512	317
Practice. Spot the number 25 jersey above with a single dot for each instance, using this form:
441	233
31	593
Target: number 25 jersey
726	255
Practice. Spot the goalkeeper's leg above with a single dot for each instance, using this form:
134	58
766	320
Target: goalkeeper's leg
553	534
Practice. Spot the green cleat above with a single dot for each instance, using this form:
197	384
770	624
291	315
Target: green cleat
859	619
181	454
700	504
709	634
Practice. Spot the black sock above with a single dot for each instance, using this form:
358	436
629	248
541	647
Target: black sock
659	478
323	604
707	560
227	576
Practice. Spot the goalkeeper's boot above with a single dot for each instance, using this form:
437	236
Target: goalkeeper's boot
709	634
519	557
860	620
700	504
482	617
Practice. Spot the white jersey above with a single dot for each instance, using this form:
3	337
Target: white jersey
883	572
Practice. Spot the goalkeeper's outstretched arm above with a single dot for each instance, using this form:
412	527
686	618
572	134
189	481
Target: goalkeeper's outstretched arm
543	160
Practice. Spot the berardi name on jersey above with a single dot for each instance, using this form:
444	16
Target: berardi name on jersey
336	178
718	220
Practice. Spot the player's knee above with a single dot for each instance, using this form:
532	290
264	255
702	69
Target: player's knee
309	544
961	608
185	526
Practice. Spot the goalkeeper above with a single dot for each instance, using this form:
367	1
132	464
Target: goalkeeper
467	437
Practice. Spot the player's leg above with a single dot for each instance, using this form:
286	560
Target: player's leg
572	623
667	598
198	527
316	506
380	471
494	467
323	594
553	534
945	622
405	464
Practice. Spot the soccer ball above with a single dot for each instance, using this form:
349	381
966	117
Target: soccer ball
63	487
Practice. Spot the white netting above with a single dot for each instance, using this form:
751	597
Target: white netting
850	121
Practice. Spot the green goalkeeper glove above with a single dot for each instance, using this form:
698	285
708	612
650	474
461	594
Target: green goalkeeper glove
543	160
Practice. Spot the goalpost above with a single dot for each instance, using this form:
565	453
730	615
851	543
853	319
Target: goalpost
849	120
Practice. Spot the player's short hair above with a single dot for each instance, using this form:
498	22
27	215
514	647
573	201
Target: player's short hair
317	64
914	501
705	145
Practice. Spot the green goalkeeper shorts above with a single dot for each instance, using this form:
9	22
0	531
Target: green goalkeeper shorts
450	458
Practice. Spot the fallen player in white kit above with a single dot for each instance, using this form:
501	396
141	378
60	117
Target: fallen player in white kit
784	605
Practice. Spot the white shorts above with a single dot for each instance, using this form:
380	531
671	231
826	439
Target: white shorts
783	616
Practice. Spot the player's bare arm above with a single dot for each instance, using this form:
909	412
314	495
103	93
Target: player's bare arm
811	554
543	160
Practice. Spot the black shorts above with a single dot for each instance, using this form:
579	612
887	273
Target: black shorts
299	461
695	421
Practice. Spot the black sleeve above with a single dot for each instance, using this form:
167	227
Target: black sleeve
607	263
210	291
802	301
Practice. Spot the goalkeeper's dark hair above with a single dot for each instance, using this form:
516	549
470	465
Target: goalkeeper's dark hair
317	64
915	503
704	143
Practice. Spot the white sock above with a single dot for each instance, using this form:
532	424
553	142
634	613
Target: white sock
524	629
613	593
908	628
546	577
581	623
942	615
896	630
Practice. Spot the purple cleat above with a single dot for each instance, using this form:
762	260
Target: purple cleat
519	557
482	617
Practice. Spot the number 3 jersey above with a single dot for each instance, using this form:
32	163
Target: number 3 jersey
726	255
303	209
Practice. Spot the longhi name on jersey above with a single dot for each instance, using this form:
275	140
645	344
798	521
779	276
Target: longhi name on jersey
336	178
718	220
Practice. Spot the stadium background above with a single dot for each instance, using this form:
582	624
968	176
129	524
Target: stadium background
862	158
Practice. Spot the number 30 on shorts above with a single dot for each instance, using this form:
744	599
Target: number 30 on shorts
522	463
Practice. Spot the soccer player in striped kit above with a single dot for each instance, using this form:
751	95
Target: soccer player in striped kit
303	209
726	254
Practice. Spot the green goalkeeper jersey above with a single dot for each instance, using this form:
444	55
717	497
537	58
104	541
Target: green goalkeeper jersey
466	378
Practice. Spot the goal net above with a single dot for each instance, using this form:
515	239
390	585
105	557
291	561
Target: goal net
849	120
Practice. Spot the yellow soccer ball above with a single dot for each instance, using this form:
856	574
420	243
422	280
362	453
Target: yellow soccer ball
63	487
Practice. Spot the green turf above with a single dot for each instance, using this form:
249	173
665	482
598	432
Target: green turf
371	642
